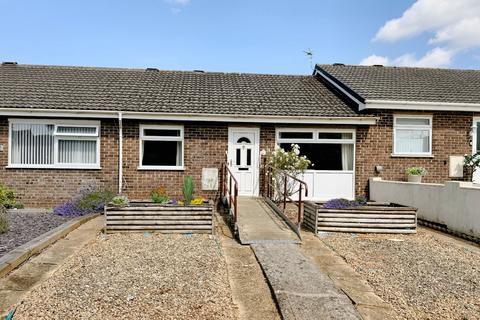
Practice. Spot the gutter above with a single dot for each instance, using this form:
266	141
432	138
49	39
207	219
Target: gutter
108	114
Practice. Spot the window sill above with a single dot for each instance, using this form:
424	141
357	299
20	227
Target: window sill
160	168
52	168
412	155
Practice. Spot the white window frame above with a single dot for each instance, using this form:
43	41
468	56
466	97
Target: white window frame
58	136
321	141
476	120
142	137
429	127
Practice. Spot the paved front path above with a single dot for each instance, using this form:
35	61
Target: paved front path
368	304
257	223
301	289
23	279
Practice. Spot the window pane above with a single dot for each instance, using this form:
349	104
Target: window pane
249	157
244	139
161	133
326	156
32	143
335	135
76	130
162	153
77	151
412	141
413	122
238	157
296	135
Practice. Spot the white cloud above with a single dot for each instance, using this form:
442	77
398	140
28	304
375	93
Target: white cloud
374	59
454	25
179	2
177	5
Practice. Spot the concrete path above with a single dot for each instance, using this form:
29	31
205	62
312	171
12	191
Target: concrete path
250	291
26	277
369	305
301	289
257	223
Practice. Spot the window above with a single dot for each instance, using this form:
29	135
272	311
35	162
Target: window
412	136
161	147
54	144
328	150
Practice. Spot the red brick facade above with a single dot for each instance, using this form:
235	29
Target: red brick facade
450	136
205	145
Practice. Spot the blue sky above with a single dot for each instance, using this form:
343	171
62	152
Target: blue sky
261	36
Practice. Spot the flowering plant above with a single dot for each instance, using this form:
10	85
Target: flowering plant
159	195
472	161
88	200
290	162
341	203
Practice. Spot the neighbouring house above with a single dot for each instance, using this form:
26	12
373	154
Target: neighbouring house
133	130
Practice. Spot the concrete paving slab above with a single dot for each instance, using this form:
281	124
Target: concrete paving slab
368	304
301	289
257	223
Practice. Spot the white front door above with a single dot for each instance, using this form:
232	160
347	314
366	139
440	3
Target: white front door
243	158
476	147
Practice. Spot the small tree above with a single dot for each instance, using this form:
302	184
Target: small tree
290	162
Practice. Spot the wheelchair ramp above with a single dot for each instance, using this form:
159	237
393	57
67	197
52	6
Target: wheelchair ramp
257	224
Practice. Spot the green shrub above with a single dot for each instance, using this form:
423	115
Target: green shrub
159	195
188	189
120	200
416	171
8	198
95	200
3	220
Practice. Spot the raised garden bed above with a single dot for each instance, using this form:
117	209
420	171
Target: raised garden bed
140	216
370	218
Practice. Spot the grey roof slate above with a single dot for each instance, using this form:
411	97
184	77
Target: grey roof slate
409	84
88	88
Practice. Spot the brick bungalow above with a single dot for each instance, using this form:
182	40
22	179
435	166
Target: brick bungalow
132	130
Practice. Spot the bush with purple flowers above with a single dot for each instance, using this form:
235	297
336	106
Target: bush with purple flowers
341	203
89	200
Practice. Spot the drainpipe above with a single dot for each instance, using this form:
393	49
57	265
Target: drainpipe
120	153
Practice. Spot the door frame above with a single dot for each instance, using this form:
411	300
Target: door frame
255	155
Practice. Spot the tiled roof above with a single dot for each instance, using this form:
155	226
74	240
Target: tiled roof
408	84
84	88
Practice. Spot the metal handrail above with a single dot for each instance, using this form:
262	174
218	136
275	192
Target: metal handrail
269	191
230	191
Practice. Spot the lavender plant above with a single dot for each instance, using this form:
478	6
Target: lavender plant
88	200
341	203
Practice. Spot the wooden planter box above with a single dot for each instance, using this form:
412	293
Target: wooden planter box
152	217
372	218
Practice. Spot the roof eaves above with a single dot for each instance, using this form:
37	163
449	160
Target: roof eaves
340	85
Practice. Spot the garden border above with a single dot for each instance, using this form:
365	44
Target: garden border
19	255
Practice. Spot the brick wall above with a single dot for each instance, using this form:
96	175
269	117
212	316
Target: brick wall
451	136
205	145
48	187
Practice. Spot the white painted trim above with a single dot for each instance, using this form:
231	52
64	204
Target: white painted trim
413	127
360	104
255	153
476	120
187	117
421	105
57	137
141	138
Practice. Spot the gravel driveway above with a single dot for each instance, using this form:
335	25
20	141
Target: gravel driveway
137	276
423	276
25	226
